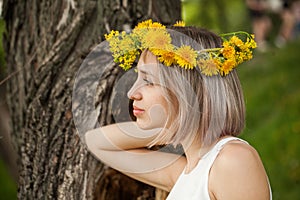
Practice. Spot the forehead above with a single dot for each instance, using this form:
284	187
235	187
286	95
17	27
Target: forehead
147	62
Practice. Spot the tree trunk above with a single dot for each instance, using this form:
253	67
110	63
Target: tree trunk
45	43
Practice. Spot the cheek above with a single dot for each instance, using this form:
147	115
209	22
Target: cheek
157	111
158	115
172	105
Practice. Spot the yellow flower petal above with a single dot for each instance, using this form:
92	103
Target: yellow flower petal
156	38
208	67
228	51
179	23
167	58
227	66
149	24
186	57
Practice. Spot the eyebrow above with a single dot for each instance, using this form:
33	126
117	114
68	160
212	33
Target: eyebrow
145	72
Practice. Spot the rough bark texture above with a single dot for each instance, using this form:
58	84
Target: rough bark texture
45	44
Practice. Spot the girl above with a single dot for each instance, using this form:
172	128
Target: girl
187	93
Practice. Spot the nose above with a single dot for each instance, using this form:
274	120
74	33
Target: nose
134	92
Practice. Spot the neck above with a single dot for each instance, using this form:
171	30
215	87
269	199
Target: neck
194	153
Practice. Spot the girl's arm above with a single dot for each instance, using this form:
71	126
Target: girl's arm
123	147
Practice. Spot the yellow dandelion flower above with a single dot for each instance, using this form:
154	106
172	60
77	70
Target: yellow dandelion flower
144	24
156	52
149	24
186	57
228	51
127	44
227	66
156	38
111	35
251	42
239	57
217	62
138	34
179	23
236	41
126	61
167	58
249	56
157	25
208	67
244	47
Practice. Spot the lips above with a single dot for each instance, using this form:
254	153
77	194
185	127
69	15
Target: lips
137	111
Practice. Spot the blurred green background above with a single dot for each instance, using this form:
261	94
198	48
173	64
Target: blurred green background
271	86
8	188
272	92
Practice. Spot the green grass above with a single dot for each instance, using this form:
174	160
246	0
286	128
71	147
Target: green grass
207	14
272	91
8	188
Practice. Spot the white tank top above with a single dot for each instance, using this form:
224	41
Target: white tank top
194	185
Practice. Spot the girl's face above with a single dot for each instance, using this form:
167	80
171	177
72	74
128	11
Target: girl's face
149	104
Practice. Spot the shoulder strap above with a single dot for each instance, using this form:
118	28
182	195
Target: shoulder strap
225	140
218	147
222	142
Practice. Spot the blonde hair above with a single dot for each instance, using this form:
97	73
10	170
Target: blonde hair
201	107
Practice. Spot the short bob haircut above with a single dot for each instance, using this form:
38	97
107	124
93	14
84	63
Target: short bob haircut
204	108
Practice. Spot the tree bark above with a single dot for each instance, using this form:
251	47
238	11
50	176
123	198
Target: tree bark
45	44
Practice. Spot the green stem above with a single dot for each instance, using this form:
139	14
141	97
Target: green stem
234	33
210	50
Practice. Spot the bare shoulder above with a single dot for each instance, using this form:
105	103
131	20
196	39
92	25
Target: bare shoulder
237	153
238	172
238	159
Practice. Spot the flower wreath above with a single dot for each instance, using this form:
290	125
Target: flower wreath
125	48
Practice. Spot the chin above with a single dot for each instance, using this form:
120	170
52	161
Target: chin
148	124
143	125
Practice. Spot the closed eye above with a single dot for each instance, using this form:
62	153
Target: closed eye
147	81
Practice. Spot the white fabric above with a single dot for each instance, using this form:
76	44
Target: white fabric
194	185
